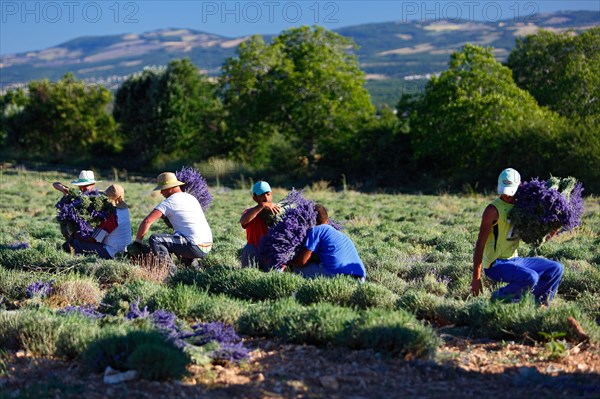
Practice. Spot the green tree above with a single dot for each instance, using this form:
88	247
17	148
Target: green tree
169	114
460	122
63	120
561	70
305	87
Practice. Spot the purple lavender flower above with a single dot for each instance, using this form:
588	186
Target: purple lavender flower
40	289
79	213
232	352
215	331
87	311
135	312
164	320
195	185
540	208
283	241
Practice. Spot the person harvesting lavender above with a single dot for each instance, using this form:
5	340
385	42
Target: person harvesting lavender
496	251
192	238
86	183
114	232
254	220
335	251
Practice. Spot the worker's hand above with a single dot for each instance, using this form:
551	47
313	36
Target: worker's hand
476	287
272	207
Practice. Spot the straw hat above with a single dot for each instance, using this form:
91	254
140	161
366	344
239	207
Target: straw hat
86	177
167	180
116	195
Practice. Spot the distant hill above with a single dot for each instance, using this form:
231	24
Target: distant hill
394	55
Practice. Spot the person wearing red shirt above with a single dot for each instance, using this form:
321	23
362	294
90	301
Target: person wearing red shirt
254	222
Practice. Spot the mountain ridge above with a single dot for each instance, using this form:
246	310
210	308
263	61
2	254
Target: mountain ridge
393	50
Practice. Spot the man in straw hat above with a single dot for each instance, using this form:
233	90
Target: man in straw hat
85	182
114	234
192	238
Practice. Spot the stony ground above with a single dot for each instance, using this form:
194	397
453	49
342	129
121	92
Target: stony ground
463	368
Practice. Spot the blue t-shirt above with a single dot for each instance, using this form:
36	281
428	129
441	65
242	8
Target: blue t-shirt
335	250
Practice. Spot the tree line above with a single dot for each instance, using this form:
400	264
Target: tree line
296	110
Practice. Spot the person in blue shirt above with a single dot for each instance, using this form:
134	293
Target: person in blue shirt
335	251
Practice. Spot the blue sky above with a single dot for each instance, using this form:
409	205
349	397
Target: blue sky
35	25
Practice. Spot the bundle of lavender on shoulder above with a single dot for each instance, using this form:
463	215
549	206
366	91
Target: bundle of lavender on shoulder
289	230
542	207
79	213
195	185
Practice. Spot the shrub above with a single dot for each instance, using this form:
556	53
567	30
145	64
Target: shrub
318	324
158	361
526	319
76	333
389	280
579	277
116	350
394	332
265	319
337	290
191	302
77	292
371	295
272	285
118	297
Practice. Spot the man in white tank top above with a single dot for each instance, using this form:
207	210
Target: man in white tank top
192	238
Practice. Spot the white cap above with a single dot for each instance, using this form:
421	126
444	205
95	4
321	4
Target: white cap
508	182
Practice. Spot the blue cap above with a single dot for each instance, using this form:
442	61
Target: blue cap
261	187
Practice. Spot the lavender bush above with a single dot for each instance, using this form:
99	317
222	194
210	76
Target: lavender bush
39	289
90	312
80	213
195	185
545	206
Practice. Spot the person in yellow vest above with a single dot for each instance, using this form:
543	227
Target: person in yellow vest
496	252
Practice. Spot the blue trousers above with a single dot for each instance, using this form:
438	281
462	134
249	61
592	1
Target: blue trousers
84	247
539	275
312	270
165	244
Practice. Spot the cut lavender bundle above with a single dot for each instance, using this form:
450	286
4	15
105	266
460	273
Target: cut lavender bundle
288	232
79	213
195	185
542	207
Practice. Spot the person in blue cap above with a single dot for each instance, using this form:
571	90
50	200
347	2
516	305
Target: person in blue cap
496	252
254	221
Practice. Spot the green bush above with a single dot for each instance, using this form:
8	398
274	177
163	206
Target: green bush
265	319
371	295
76	333
394	332
13	283
272	285
116	350
337	290
318	324
155	361
526	319
579	277
191	302
118	297
388	279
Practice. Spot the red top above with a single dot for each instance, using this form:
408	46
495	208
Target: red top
255	229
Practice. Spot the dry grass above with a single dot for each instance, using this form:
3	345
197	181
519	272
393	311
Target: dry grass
151	268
